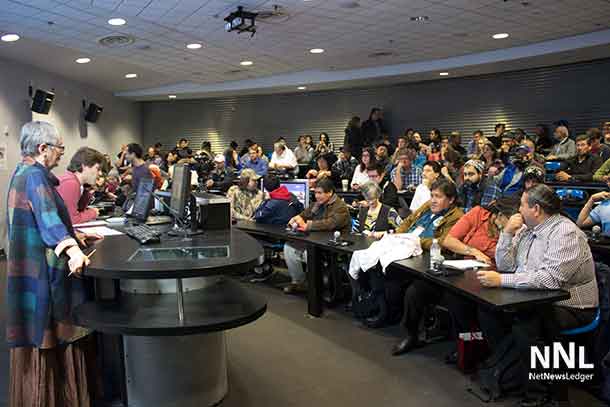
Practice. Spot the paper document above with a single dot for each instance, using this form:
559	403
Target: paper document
464	264
92	223
101	230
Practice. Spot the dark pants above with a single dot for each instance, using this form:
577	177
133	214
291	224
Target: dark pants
422	294
530	327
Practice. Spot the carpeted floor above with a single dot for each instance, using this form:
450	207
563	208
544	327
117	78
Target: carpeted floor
288	359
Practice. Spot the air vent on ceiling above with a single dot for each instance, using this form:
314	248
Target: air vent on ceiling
234	72
116	41
382	54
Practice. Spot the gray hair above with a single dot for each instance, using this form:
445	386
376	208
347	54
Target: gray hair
279	144
370	191
34	134
544	196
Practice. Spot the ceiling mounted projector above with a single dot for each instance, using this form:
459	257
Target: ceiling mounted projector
241	21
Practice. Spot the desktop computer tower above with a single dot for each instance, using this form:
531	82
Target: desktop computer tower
213	211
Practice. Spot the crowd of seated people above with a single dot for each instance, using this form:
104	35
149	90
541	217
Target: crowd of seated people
484	199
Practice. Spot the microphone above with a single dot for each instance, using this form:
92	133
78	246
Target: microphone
596	232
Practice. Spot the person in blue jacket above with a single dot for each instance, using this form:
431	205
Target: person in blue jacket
280	206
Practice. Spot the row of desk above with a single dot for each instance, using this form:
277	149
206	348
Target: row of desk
416	267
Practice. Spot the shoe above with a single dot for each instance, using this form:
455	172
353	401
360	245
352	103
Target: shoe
406	345
451	358
295	288
261	276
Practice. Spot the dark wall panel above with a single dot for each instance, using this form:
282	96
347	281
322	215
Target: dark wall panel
576	92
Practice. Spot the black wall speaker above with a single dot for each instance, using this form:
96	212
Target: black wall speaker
42	101
93	113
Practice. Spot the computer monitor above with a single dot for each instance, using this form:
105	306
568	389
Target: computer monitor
142	204
181	189
300	188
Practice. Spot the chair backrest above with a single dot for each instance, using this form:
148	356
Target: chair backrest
590	327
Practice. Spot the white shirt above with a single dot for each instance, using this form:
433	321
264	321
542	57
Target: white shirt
421	196
359	177
286	159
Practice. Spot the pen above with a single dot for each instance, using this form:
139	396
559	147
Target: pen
88	256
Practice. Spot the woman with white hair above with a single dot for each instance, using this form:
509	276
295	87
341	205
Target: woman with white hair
375	218
49	355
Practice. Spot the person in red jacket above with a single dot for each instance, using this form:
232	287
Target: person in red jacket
82	170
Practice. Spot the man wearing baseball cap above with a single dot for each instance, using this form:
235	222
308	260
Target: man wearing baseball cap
221	177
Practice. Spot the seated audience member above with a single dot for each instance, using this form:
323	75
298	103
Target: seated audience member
82	170
323	170
206	151
434	139
565	147
508	144
153	157
255	162
598	149
405	175
245	197
282	158
221	177
540	249
489	155
476	234
436	217
600	215
477	189
511	179
528	148
261	154
606	132
389	193
581	167
385	140
430	173
473	146
382	157
327	213
455	141
280	206
496	137
375	218
453	163
324	145
303	152
345	166
402	142
533	175
122	164
360	173
182	149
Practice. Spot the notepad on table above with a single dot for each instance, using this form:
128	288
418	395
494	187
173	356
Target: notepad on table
100	230
92	223
464	264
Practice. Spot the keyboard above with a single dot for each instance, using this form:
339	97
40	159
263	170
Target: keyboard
143	234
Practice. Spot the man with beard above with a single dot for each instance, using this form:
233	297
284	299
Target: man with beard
477	189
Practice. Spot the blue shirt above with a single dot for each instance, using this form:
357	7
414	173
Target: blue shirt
259	166
601	215
411	177
428	221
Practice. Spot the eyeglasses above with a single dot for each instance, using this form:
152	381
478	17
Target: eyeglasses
60	148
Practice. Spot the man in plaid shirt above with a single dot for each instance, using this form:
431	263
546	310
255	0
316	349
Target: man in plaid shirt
405	175
477	189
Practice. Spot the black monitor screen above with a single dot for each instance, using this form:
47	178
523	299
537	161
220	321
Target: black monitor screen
181	186
143	202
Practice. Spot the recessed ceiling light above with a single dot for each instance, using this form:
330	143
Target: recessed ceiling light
194	45
172	96
117	21
302	87
444	73
10	37
131	75
316	50
246	63
420	18
500	36
83	60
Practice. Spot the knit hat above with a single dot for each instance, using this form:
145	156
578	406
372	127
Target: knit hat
477	164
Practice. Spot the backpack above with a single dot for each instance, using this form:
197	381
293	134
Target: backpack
502	373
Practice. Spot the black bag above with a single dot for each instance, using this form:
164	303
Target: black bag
502	373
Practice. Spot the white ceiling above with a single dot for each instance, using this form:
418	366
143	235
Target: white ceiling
349	35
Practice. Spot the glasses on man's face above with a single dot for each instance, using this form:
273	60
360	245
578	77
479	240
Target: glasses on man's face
60	148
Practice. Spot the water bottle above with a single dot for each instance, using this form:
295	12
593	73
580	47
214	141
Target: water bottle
435	255
596	233
336	236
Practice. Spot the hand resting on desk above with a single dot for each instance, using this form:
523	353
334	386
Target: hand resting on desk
489	278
